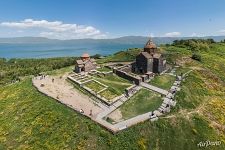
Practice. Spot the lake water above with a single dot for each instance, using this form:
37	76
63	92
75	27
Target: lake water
59	50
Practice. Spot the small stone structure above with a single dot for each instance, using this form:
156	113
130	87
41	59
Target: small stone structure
85	64
125	72
136	79
131	90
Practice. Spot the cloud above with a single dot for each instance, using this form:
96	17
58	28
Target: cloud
172	34
56	29
222	31
19	31
152	35
194	34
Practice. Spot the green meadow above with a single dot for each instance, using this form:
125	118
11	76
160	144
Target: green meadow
142	102
163	81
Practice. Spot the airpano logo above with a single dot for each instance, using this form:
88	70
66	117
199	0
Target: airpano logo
208	143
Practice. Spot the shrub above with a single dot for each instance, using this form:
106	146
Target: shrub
96	56
196	56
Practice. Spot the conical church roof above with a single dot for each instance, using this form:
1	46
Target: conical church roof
150	44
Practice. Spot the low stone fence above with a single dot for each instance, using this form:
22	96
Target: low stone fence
169	101
126	72
122	67
99	72
71	78
93	72
127	76
102	99
96	94
130	90
117	98
105	73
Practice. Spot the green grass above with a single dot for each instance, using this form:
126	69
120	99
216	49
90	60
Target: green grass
109	95
142	102
122	56
181	70
104	69
116	84
172	53
218	49
163	81
109	120
84	79
116	78
61	71
189	97
215	63
94	86
13	69
31	120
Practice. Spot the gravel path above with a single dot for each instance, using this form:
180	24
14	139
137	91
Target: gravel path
154	88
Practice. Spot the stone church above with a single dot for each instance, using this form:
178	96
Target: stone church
149	60
85	64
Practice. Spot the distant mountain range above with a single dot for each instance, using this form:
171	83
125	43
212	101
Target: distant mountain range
122	40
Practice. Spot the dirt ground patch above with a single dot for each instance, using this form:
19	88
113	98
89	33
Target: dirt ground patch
64	92
116	115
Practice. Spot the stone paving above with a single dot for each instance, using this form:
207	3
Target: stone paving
154	88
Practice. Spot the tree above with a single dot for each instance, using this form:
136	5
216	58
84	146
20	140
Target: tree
96	56
223	41
210	41
196	56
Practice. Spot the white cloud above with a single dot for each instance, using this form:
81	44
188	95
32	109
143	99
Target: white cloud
152	35
222	31
20	31
194	34
56	29
172	34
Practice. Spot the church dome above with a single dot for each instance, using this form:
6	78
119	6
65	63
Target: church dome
150	44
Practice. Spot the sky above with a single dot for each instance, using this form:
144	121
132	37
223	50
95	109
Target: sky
75	19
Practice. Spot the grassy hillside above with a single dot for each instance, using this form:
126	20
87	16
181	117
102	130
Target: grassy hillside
12	70
30	120
122	56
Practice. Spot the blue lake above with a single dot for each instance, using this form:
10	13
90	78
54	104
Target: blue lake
59	50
